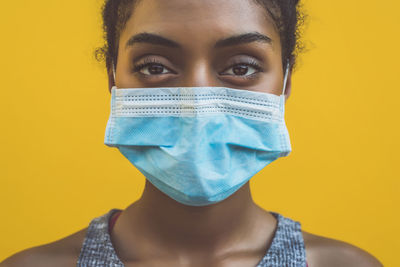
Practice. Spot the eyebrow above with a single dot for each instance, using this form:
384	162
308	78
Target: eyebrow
156	39
243	39
151	38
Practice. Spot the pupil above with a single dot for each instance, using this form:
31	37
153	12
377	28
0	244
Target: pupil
156	69
240	70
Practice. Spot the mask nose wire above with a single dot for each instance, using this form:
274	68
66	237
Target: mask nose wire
285	78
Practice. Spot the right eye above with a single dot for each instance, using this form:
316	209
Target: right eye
152	69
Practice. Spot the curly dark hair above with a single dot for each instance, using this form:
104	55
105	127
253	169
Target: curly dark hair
286	14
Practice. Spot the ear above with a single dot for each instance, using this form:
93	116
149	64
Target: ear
111	81
288	89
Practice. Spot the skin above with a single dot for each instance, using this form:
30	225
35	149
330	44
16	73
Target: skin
156	230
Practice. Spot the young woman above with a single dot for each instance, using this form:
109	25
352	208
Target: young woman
198	89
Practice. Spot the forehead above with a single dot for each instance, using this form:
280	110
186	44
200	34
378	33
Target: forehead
199	20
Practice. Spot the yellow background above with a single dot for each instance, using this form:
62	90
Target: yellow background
341	180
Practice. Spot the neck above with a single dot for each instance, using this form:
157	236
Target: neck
186	226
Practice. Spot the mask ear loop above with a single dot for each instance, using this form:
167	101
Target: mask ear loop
113	70
285	78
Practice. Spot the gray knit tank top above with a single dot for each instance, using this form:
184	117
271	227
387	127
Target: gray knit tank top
287	248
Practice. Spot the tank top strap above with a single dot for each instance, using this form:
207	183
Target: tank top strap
287	247
97	249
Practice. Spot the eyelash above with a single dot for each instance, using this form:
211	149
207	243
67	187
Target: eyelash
150	61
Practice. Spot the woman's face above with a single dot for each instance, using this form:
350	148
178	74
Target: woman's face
191	43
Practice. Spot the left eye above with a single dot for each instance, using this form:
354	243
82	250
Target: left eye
241	70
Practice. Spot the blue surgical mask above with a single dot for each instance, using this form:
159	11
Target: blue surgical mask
198	145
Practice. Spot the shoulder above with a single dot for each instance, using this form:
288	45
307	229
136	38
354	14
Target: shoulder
326	252
63	252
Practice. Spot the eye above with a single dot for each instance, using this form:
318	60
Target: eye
151	67
243	69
